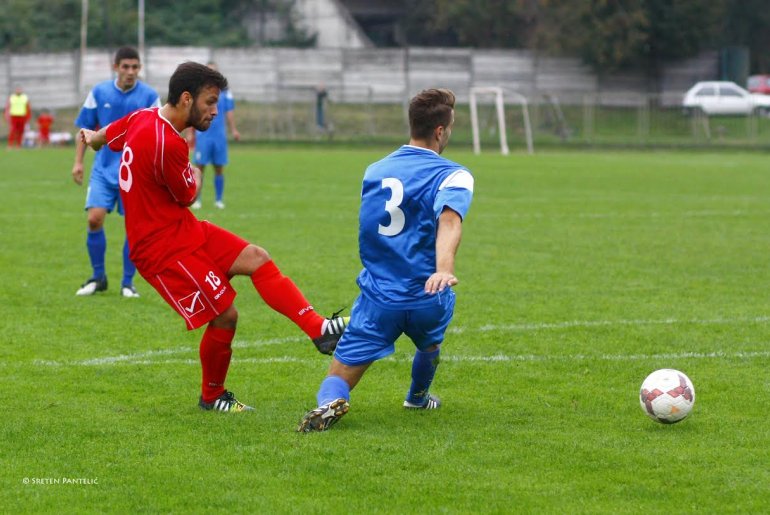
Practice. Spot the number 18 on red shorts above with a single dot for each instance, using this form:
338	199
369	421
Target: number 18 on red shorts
195	287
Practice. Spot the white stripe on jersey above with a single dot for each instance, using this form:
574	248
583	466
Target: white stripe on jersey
458	179
90	102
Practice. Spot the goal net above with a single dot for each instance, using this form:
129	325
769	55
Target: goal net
485	93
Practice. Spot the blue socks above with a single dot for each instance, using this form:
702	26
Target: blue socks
219	186
96	243
333	387
423	369
129	270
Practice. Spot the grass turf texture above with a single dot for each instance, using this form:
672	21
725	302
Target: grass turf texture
580	274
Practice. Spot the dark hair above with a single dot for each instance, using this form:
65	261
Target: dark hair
126	52
429	109
193	77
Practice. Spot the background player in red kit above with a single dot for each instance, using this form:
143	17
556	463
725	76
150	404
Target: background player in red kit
44	122
189	262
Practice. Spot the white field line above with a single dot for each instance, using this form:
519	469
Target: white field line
497	358
543	326
148	357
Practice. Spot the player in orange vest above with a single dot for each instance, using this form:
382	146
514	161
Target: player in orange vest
17	113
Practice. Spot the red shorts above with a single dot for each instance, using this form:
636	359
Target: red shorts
197	285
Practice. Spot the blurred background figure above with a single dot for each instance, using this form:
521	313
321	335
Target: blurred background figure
321	95
108	101
211	145
44	122
17	114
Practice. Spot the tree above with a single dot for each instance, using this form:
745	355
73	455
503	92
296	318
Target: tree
35	25
45	25
748	24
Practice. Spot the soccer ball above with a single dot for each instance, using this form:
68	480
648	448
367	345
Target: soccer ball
667	396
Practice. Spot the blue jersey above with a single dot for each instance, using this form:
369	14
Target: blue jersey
218	127
402	198
106	103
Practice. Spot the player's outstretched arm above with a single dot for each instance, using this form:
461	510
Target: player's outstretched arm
94	139
77	168
450	228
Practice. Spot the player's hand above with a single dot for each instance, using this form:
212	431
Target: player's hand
77	173
89	138
439	281
236	135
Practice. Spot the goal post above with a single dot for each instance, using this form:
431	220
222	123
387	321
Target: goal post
499	101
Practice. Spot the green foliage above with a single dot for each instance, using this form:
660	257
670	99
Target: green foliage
614	35
37	25
747	24
41	25
214	23
608	34
580	273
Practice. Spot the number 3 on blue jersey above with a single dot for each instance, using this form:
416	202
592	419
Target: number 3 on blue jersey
397	219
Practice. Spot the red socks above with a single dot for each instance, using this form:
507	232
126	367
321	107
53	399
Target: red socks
281	294
215	352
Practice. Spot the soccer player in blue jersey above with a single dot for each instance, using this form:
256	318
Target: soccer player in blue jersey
211	145
413	203
109	101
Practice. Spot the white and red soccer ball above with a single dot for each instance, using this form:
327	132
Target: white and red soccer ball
667	396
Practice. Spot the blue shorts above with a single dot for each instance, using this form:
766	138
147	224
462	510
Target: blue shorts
101	193
211	151
373	331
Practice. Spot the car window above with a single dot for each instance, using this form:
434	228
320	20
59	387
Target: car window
706	91
755	82
729	91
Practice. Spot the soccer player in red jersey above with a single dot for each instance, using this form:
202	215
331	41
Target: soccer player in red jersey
44	122
188	261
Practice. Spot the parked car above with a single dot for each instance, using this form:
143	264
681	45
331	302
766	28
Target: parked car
759	84
723	97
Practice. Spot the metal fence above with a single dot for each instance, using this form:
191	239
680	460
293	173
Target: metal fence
648	121
291	114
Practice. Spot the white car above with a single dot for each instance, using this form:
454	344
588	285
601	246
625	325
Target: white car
723	97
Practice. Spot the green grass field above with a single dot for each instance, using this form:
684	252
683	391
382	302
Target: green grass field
580	274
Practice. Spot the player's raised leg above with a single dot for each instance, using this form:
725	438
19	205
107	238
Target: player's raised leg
280	293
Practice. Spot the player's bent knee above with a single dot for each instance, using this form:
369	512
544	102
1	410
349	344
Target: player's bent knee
226	320
254	257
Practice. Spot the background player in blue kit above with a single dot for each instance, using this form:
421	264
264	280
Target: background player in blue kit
410	222
109	101
211	145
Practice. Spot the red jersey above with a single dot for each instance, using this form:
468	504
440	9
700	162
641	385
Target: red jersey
156	186
44	121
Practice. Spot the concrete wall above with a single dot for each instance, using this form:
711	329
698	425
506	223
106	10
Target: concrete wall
352	75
